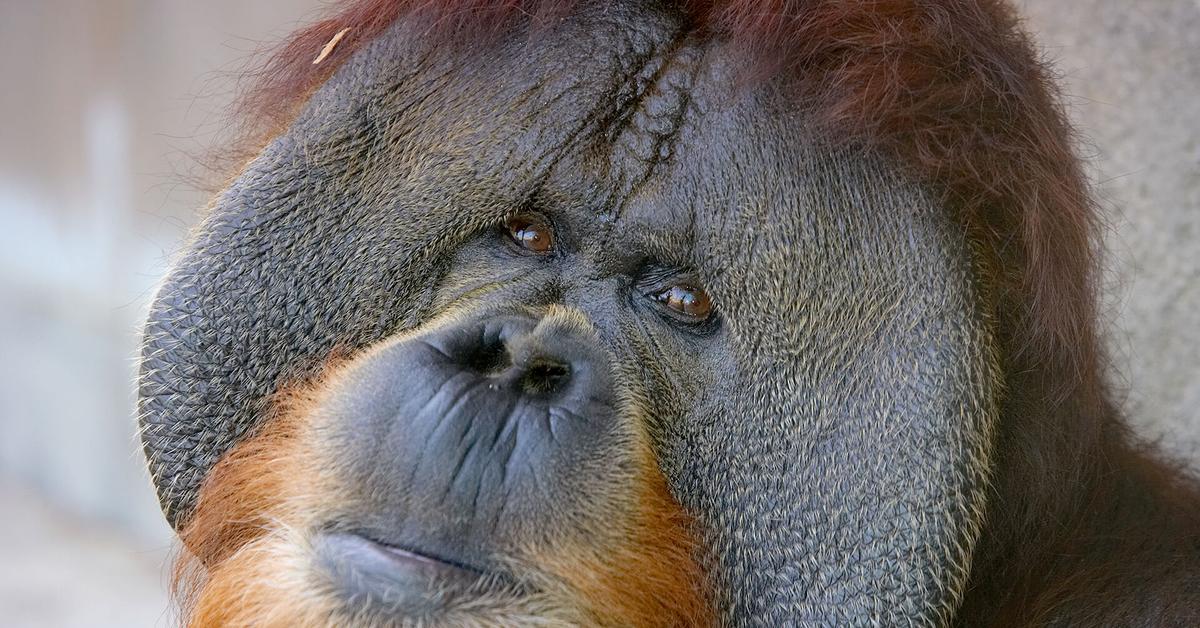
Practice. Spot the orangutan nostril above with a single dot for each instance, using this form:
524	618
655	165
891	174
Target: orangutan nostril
489	358
545	376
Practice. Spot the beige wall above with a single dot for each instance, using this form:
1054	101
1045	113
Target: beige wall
100	112
1132	79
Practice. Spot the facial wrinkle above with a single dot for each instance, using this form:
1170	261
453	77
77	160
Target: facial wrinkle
643	138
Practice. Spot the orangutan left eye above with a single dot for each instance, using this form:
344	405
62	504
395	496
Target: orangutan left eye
689	300
531	233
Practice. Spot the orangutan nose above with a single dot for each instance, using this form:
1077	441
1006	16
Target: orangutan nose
465	431
512	356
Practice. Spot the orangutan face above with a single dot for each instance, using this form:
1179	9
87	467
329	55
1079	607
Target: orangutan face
602	336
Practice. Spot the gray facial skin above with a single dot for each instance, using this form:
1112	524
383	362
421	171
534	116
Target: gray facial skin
831	430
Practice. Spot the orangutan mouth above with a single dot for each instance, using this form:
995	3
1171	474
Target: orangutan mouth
375	574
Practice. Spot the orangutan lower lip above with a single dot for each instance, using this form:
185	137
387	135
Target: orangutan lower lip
417	559
402	555
409	582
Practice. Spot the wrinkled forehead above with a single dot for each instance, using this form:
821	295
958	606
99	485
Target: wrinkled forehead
627	117
497	117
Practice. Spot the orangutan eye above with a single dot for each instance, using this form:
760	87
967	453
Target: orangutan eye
530	232
689	300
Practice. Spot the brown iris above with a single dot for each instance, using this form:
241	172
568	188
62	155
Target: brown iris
686	299
530	232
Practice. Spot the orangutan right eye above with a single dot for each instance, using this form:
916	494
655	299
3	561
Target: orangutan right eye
531	233
688	300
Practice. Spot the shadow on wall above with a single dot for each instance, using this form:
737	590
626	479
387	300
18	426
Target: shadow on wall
91	212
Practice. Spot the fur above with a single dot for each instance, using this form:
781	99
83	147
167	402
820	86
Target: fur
1084	525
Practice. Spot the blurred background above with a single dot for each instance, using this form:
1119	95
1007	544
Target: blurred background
109	102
